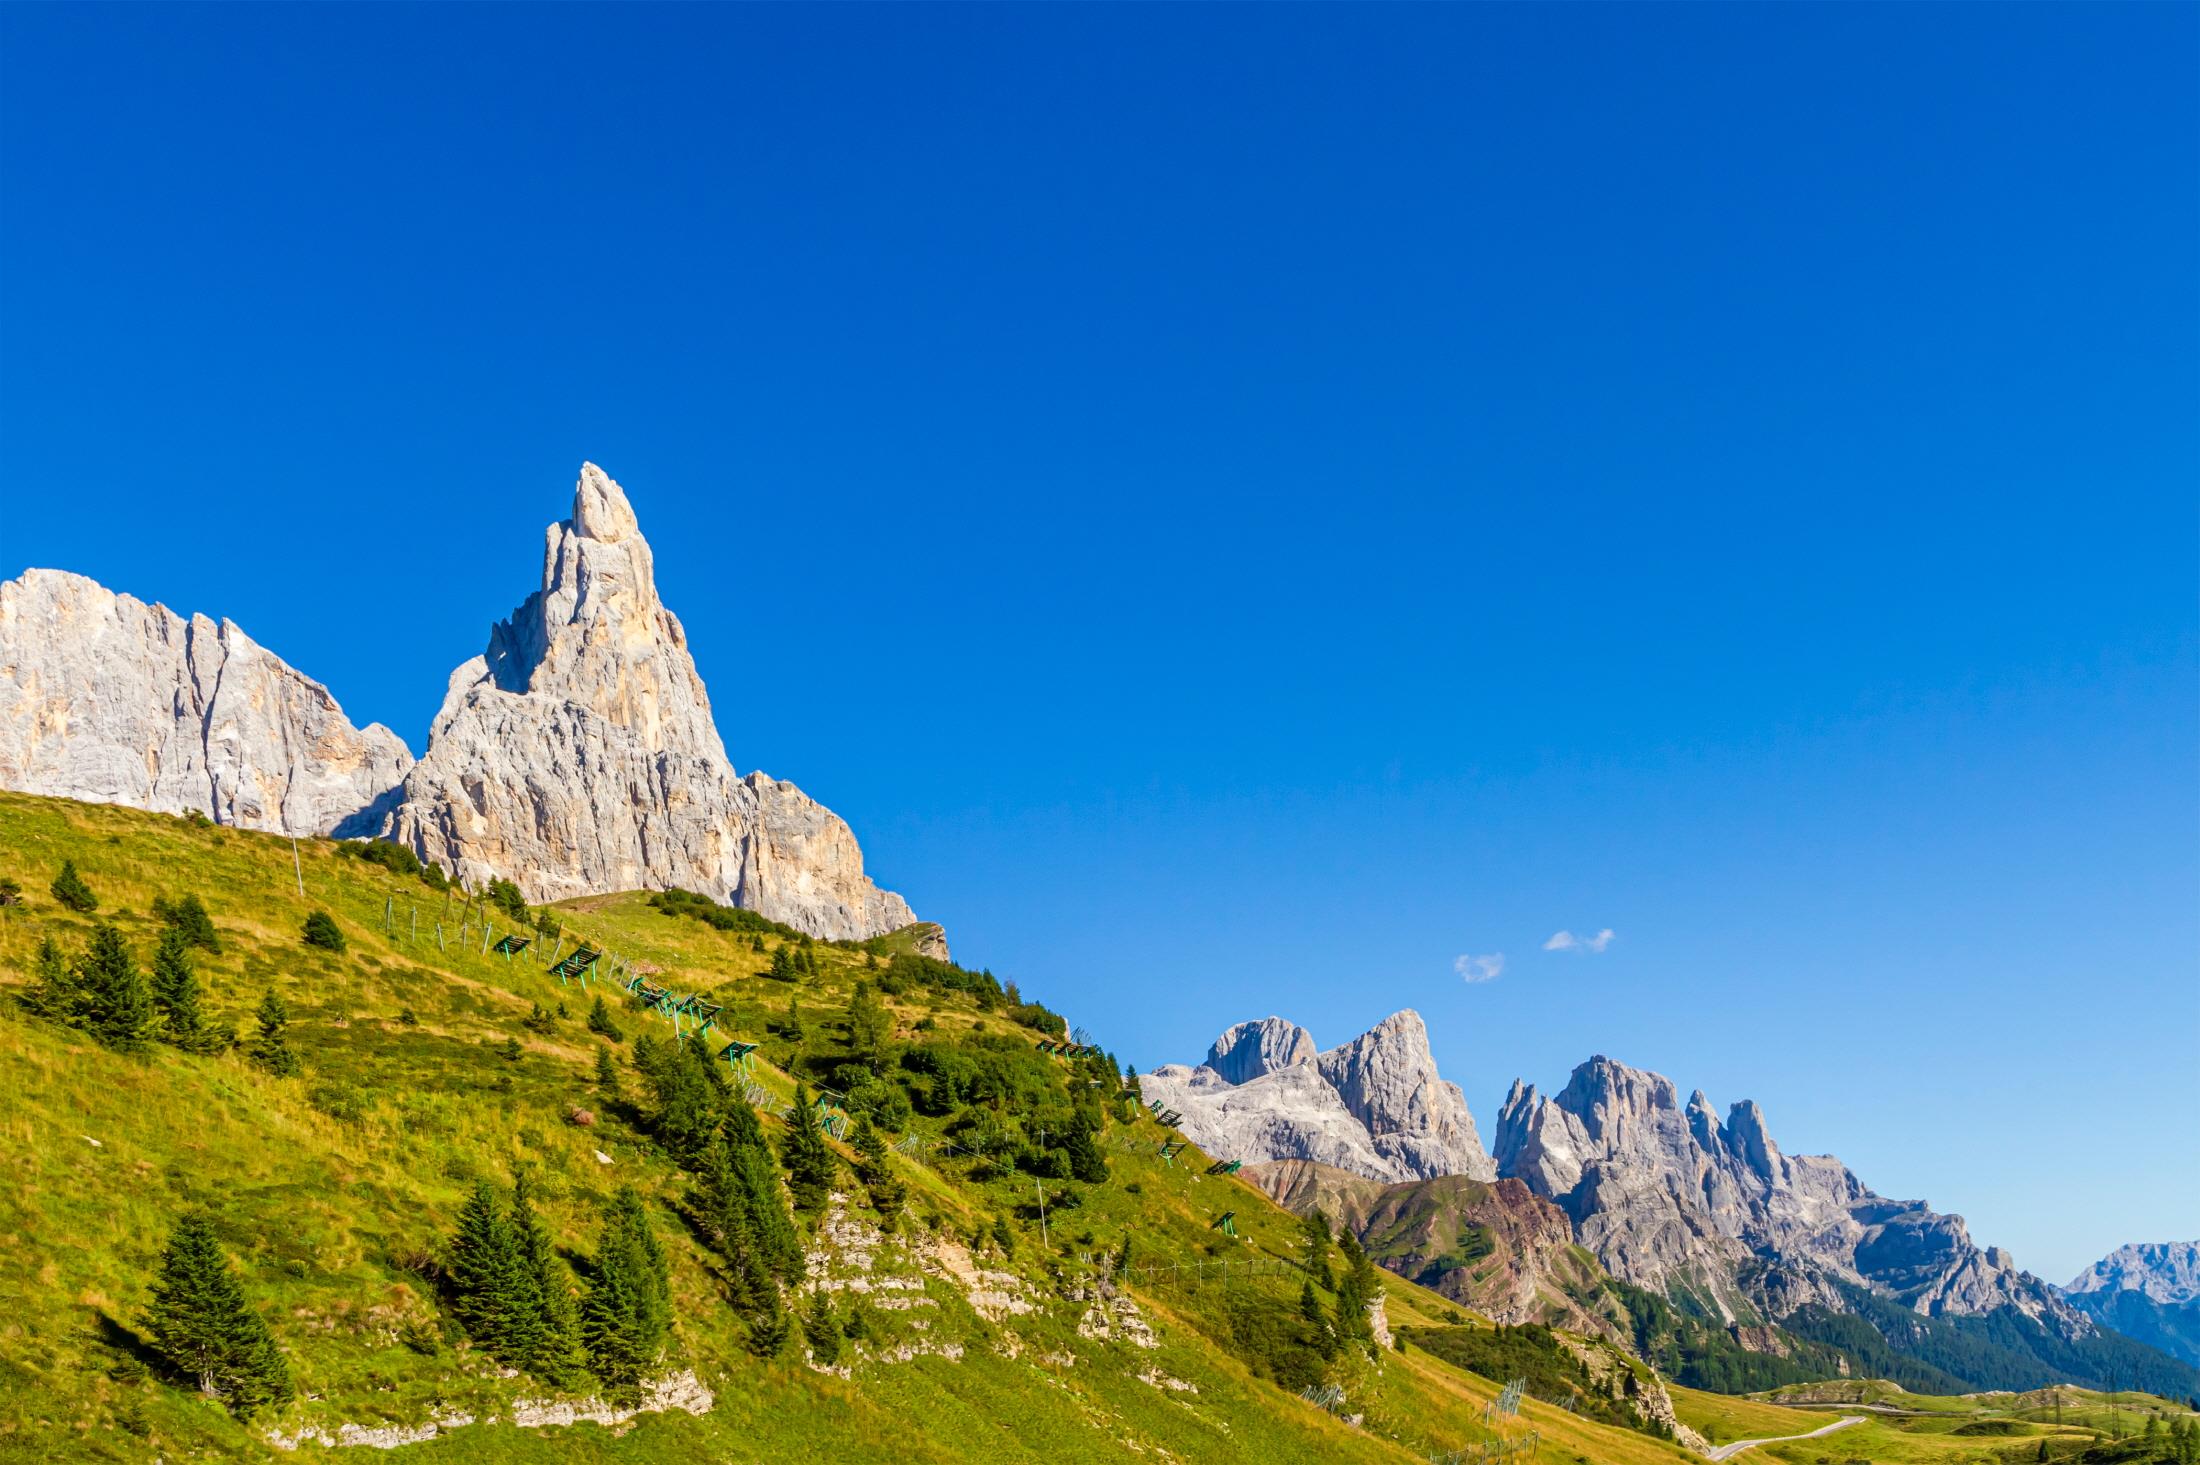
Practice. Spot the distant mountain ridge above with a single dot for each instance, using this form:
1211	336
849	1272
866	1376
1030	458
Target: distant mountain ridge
1374	1106
2149	1291
1778	1254
576	756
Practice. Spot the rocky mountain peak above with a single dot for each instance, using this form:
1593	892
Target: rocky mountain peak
1668	1195
1375	1106
1250	1049
2166	1272
578	754
600	508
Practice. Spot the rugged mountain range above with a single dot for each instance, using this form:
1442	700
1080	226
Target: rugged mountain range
1714	1240
2149	1291
1673	1198
1375	1106
576	755
107	699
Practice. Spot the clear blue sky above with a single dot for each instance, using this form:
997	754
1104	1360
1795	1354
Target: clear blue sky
1243	507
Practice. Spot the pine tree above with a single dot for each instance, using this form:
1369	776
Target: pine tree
53	992
176	994
769	1329
721	1204
189	916
796	1033
1356	1292
607	1073
756	942
69	888
783	968
821	1330
869	1027
116	1008
600	1023
686	1100
268	1048
1086	1163
545	1333
888	1194
776	1238
809	1161
201	1325
612	1312
483	1267
1315	1236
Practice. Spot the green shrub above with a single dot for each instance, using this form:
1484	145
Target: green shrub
322	931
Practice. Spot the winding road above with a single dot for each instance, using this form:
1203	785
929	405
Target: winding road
1721	1452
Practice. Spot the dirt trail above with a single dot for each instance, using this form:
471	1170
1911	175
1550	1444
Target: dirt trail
1721	1452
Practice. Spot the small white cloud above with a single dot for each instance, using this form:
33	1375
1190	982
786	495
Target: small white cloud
1568	941
1480	968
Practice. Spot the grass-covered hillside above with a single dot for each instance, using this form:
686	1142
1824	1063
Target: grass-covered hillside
1895	1427
355	1160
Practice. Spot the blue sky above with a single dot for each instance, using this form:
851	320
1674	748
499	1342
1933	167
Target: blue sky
1244	507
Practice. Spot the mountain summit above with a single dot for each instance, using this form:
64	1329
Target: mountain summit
577	754
1671	1196
1374	1106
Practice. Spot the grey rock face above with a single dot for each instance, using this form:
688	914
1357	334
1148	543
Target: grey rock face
111	700
1669	1196
577	755
1375	1106
2160	1271
1245	1052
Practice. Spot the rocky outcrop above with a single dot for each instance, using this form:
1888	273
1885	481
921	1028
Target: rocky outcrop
111	700
1375	1106
1674	1199
577	754
1494	1246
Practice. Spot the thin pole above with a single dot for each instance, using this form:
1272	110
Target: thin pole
296	868
1043	1241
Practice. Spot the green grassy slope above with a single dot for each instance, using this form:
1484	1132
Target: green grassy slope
334	1191
1902	1428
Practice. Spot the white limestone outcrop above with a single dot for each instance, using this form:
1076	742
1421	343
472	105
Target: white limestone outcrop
110	700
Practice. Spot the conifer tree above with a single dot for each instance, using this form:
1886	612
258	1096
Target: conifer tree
721	1204
544	1331
116	1008
869	1027
821	1329
796	1033
53	992
483	1270
1357	1290
809	1161
1315	1237
69	889
783	967
627	1309
268	1047
776	1238
201	1325
687	1099
600	1023
607	1073
888	1194
770	1328
176	994
1086	1163
189	916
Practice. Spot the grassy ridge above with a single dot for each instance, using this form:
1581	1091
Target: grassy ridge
331	1189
